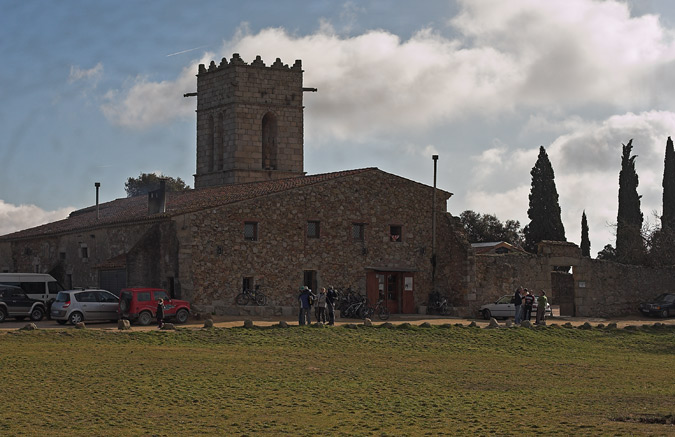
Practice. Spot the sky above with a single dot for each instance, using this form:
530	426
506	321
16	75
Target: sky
93	92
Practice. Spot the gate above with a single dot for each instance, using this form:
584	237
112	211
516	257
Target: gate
562	290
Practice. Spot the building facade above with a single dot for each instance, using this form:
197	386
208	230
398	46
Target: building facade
256	219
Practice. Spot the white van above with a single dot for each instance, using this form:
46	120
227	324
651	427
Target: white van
37	286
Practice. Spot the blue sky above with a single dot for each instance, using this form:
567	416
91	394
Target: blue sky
92	91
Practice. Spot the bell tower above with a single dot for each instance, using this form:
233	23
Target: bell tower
249	122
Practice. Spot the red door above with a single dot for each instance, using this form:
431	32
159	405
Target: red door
408	293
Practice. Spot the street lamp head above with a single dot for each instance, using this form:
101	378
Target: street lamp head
434	157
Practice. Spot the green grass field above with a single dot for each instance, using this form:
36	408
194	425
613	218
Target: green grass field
405	380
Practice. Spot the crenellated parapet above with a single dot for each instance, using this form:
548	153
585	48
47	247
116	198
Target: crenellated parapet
258	63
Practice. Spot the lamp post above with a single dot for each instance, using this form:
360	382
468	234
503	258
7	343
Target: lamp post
433	229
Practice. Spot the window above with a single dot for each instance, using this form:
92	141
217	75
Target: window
247	283
313	229
358	231
62	256
395	233
84	251
161	295
251	231
143	296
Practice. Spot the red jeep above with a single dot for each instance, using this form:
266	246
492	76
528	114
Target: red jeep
140	305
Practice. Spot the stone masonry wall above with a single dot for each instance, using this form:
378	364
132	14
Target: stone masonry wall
65	252
220	257
232	100
601	288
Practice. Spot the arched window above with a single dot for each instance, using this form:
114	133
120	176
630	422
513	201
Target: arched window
210	142
269	142
218	143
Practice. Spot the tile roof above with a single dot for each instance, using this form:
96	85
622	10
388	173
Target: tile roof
135	209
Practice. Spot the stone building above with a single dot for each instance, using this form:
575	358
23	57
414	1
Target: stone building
256	219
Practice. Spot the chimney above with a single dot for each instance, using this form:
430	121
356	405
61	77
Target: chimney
97	185
157	199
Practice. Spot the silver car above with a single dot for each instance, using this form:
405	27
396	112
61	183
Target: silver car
76	306
504	308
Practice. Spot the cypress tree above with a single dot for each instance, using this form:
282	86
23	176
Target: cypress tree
629	243
544	211
585	241
668	217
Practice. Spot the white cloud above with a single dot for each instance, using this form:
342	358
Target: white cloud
16	217
586	163
509	55
93	74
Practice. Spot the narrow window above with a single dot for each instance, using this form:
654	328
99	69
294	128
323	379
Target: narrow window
358	231
211	142
269	142
84	251
247	283
251	231
313	229
395	233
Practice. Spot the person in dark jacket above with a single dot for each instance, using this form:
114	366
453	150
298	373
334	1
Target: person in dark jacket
305	306
331	300
160	313
518	301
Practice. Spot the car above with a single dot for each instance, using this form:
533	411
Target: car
139	304
503	307
663	305
88	304
14	302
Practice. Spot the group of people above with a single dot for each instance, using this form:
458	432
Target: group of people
323	302
523	300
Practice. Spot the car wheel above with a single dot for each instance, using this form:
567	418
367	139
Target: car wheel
144	318
61	322
3	315
124	306
665	313
487	314
37	314
182	315
75	318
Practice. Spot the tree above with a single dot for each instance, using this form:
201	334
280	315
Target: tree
585	241
487	228
608	253
629	242
147	182
668	217
544	211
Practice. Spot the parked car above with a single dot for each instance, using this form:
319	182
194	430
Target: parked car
503	307
663	305
76	306
140	305
14	302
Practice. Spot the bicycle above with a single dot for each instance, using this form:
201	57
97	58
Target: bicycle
255	295
380	309
438	305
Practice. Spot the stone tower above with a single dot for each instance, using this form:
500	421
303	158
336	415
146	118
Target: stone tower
249	122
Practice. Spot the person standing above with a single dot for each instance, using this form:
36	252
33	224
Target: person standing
542	301
518	302
331	298
528	301
321	301
305	306
160	313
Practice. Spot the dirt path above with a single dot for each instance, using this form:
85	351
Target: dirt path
235	321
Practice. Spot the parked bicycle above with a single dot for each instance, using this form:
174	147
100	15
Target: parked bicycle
255	295
380	309
438	304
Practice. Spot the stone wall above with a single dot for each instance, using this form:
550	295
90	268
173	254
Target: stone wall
220	257
66	252
601	288
232	100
